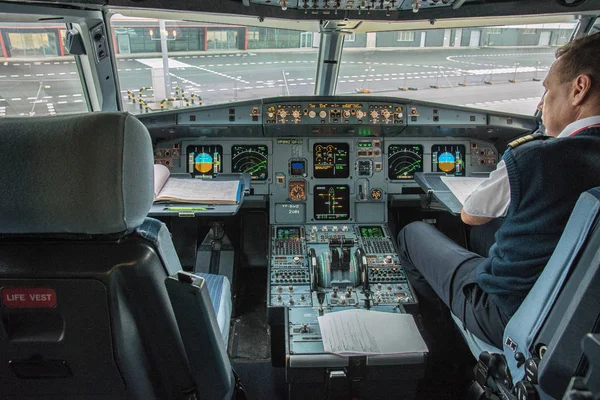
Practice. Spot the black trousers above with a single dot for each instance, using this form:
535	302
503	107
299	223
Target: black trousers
444	273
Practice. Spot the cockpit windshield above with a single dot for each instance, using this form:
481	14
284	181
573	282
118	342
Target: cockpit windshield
499	68
209	63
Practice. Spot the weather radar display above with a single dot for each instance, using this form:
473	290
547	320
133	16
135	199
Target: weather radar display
205	161
404	160
253	160
449	159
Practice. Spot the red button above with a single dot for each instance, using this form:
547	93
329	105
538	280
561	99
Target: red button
28	297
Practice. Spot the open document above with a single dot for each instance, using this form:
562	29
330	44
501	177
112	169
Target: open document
362	332
461	188
199	191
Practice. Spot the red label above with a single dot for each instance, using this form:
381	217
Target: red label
28	297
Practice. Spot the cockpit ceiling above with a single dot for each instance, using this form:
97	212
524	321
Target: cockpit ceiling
367	15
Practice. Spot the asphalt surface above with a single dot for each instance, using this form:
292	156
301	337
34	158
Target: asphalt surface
473	77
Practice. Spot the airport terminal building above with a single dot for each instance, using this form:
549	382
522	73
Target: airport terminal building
135	36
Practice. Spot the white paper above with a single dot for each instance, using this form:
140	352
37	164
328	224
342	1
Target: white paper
200	191
461	187
161	174
363	332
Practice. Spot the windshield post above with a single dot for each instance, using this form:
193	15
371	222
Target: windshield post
328	65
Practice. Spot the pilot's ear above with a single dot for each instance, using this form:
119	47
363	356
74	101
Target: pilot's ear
580	88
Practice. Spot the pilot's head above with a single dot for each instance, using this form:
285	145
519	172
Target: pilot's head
572	85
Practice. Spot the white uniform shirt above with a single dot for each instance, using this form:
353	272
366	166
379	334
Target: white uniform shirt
492	197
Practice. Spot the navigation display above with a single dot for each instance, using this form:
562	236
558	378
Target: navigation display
330	160
371	232
205	161
332	202
404	160
448	158
251	159
288	233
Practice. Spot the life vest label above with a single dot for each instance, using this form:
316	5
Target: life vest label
20	297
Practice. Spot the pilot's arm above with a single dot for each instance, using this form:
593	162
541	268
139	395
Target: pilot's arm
490	200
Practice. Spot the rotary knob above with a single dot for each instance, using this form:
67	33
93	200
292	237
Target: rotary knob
323	114
342	300
360	114
283	114
296	260
291	288
386	113
271	115
279	289
312	114
292	302
296	114
346	113
374	114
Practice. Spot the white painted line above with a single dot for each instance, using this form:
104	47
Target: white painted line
64	95
62	102
16	99
77	101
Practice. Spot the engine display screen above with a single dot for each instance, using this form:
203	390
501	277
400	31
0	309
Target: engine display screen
330	160
371	232
448	158
332	202
205	161
404	160
288	233
251	159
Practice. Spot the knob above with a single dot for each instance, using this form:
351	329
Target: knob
279	298
388	259
342	300
279	289
302	298
291	288
344	228
324	228
379	286
305	328
291	301
314	228
389	287
334	229
296	260
98	36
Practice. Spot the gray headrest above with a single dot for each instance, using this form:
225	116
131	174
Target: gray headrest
85	173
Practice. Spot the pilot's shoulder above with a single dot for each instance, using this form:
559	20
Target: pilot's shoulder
526	139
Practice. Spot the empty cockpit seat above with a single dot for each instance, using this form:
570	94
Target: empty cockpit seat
88	310
218	286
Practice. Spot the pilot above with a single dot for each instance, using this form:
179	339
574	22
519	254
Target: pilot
535	188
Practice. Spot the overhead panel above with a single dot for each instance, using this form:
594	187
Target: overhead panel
367	6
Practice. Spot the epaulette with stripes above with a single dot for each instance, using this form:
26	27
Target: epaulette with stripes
525	139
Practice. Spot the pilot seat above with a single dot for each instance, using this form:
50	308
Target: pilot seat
93	302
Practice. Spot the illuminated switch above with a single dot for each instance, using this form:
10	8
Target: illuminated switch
280	179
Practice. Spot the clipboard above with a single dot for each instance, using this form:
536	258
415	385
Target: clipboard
437	190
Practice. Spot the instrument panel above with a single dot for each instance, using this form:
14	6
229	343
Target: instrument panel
252	159
364	149
205	161
448	159
404	160
330	160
